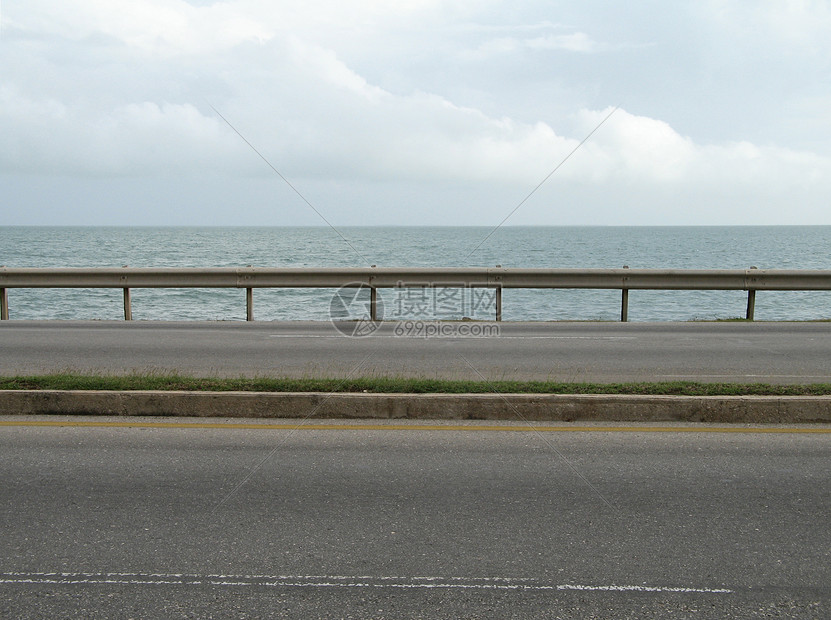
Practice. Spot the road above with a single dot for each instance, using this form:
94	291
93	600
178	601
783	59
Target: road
569	351
403	521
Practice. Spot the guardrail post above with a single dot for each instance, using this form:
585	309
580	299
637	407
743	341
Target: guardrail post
373	298
128	304
751	302
624	305
249	300
4	302
624	301
498	300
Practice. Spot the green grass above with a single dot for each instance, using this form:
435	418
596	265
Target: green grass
69	381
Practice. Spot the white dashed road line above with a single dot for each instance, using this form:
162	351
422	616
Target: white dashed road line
332	581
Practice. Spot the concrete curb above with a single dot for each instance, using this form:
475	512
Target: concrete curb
536	407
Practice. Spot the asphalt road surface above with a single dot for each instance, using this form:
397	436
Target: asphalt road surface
403	521
602	352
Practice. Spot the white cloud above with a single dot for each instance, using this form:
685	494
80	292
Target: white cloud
645	151
575	42
800	24
163	27
111	88
324	65
137	138
528	37
169	27
350	128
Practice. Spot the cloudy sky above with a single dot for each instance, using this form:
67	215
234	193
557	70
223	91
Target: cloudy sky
415	112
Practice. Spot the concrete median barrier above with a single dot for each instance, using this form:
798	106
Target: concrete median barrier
531	407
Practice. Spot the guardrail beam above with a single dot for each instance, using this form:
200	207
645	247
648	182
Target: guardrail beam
497	278
262	277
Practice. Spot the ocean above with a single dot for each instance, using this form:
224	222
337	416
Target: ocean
682	247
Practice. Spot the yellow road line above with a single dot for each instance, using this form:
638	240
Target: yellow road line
416	427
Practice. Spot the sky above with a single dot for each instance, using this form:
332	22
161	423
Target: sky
415	112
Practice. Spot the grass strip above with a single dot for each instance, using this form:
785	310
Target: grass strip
398	385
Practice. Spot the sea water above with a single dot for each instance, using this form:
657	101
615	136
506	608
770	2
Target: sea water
733	247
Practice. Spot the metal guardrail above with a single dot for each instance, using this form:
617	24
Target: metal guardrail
373	278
